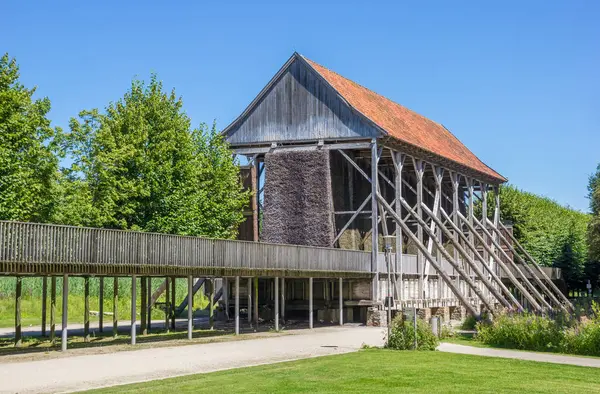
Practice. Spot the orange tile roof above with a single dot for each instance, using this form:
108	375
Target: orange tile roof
404	124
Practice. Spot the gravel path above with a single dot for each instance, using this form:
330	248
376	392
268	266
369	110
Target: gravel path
521	355
86	372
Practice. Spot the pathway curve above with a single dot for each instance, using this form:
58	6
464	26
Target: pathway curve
521	355
86	372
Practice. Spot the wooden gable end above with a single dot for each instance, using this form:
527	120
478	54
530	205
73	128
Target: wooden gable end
298	106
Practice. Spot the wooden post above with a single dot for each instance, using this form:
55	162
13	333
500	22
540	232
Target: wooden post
101	306
276	297
190	316
211	304
168	306
398	160
86	309
310	303
18	288
256	303
249	291
149	305
65	312
341	300
237	305
225	286
283	300
133	307
44	303
173	300
115	307
143	307
53	310
420	170
254	203
374	217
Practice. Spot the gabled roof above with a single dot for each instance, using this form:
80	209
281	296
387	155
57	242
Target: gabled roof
394	120
403	124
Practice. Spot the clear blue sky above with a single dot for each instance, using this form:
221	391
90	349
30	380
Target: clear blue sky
517	81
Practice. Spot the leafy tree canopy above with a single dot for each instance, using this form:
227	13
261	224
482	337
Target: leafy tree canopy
28	164
138	165
554	235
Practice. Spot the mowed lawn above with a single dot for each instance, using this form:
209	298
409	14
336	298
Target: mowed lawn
385	371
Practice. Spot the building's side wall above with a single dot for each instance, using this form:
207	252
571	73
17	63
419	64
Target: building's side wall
300	106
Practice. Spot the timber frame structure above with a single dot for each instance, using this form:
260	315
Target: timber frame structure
424	186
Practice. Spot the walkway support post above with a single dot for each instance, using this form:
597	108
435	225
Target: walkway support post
237	305
53	310
173	300
190	308
256	303
341	297
133	307
211	304
44	303
143	308
65	313
115	307
149	305
374	217
282	300
168	306
86	309
276	297
310	303
18	288
101	306
249	291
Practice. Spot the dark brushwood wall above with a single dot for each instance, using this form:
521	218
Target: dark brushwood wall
299	107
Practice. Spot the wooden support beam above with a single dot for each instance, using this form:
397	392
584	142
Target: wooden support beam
237	305
454	239
535	277
352	218
249	301
190	306
283	300
428	256
101	306
276	299
65	313
86	309
398	161
374	217
115	307
149	305
310	303
420	171
143	305
524	278
499	261
256	303
168	306
536	265
44	303
173	300
18	289
479	257
341	301
133	307
211	304
53	310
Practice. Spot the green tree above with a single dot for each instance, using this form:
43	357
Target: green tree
553	234
593	234
140	166
28	164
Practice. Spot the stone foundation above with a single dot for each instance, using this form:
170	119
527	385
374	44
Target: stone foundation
442	312
376	317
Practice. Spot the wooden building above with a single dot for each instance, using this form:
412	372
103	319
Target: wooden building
395	175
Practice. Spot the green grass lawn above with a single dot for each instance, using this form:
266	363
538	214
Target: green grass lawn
386	371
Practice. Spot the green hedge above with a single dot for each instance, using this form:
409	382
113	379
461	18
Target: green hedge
403	335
